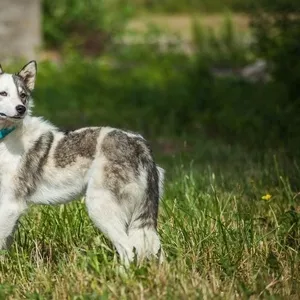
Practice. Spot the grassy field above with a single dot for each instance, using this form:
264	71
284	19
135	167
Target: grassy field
229	223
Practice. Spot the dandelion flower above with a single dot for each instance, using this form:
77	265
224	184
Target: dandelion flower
266	197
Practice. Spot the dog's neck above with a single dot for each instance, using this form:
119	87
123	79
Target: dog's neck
6	131
26	131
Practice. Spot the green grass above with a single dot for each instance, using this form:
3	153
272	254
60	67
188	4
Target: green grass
222	241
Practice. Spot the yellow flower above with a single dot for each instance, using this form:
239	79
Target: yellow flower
266	197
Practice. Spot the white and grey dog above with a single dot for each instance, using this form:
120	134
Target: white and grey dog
40	164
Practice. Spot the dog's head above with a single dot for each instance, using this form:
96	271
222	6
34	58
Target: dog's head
15	93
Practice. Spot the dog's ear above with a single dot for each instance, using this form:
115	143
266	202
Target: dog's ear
1	70
28	74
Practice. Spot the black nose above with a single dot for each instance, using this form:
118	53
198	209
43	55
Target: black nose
21	109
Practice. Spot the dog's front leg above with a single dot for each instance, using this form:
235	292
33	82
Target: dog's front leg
10	212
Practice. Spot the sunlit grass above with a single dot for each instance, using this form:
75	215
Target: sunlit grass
221	239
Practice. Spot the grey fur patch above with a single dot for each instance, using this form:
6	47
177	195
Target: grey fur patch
126	156
20	84
129	151
76	144
31	169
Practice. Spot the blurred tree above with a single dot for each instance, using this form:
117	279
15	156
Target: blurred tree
20	30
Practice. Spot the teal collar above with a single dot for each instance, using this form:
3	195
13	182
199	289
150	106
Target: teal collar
5	131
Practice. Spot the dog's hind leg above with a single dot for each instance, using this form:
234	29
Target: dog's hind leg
10	212
106	213
142	231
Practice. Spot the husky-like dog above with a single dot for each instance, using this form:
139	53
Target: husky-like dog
112	168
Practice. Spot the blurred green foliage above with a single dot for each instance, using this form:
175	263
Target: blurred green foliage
170	96
226	48
277	37
276	28
141	87
88	25
171	6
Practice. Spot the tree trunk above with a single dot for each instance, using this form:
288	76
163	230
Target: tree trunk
20	29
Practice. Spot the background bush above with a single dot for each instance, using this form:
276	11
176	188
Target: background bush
86	25
140	87
276	29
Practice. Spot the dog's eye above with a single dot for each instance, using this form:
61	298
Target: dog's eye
23	95
3	94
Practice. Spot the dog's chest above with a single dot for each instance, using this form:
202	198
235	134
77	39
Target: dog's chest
9	163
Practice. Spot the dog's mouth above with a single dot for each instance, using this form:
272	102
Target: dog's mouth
4	116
